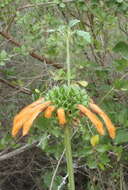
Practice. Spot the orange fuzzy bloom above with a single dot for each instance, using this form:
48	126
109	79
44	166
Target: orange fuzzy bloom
26	110
109	125
28	123
48	111
29	113
37	102
94	119
61	116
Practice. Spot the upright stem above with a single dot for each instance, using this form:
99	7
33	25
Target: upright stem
67	135
67	141
68	57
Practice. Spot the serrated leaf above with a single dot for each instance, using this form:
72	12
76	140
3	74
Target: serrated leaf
84	34
94	140
73	22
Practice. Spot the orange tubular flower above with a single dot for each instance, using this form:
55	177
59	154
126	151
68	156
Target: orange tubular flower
109	125
26	117
94	119
48	112
37	102
25	111
61	116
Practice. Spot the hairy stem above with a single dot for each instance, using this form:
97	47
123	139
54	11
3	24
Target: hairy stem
67	141
68	57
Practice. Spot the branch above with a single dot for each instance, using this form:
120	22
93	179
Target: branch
17	151
22	89
33	54
44	4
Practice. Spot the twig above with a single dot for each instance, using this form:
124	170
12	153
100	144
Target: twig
21	89
17	151
44	4
53	177
33	54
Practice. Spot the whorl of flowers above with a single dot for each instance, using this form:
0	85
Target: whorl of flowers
66	102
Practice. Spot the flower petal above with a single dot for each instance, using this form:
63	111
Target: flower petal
19	120
48	111
94	119
109	125
26	114
61	116
26	110
29	122
37	102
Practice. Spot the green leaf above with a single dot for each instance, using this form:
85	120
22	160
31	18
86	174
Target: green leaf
84	34
4	57
122	137
23	50
73	22
121	84
43	141
47	180
119	1
2	63
101	166
104	159
121	64
3	54
103	148
92	164
123	117
118	150
121	47
87	151
62	5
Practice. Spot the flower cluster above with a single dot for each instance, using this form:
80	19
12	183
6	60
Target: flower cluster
66	102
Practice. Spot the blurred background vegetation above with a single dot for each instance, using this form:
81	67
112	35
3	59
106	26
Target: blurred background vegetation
32	61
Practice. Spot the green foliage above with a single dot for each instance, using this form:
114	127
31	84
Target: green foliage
122	48
5	141
4	57
84	34
122	137
121	64
47	180
4	3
